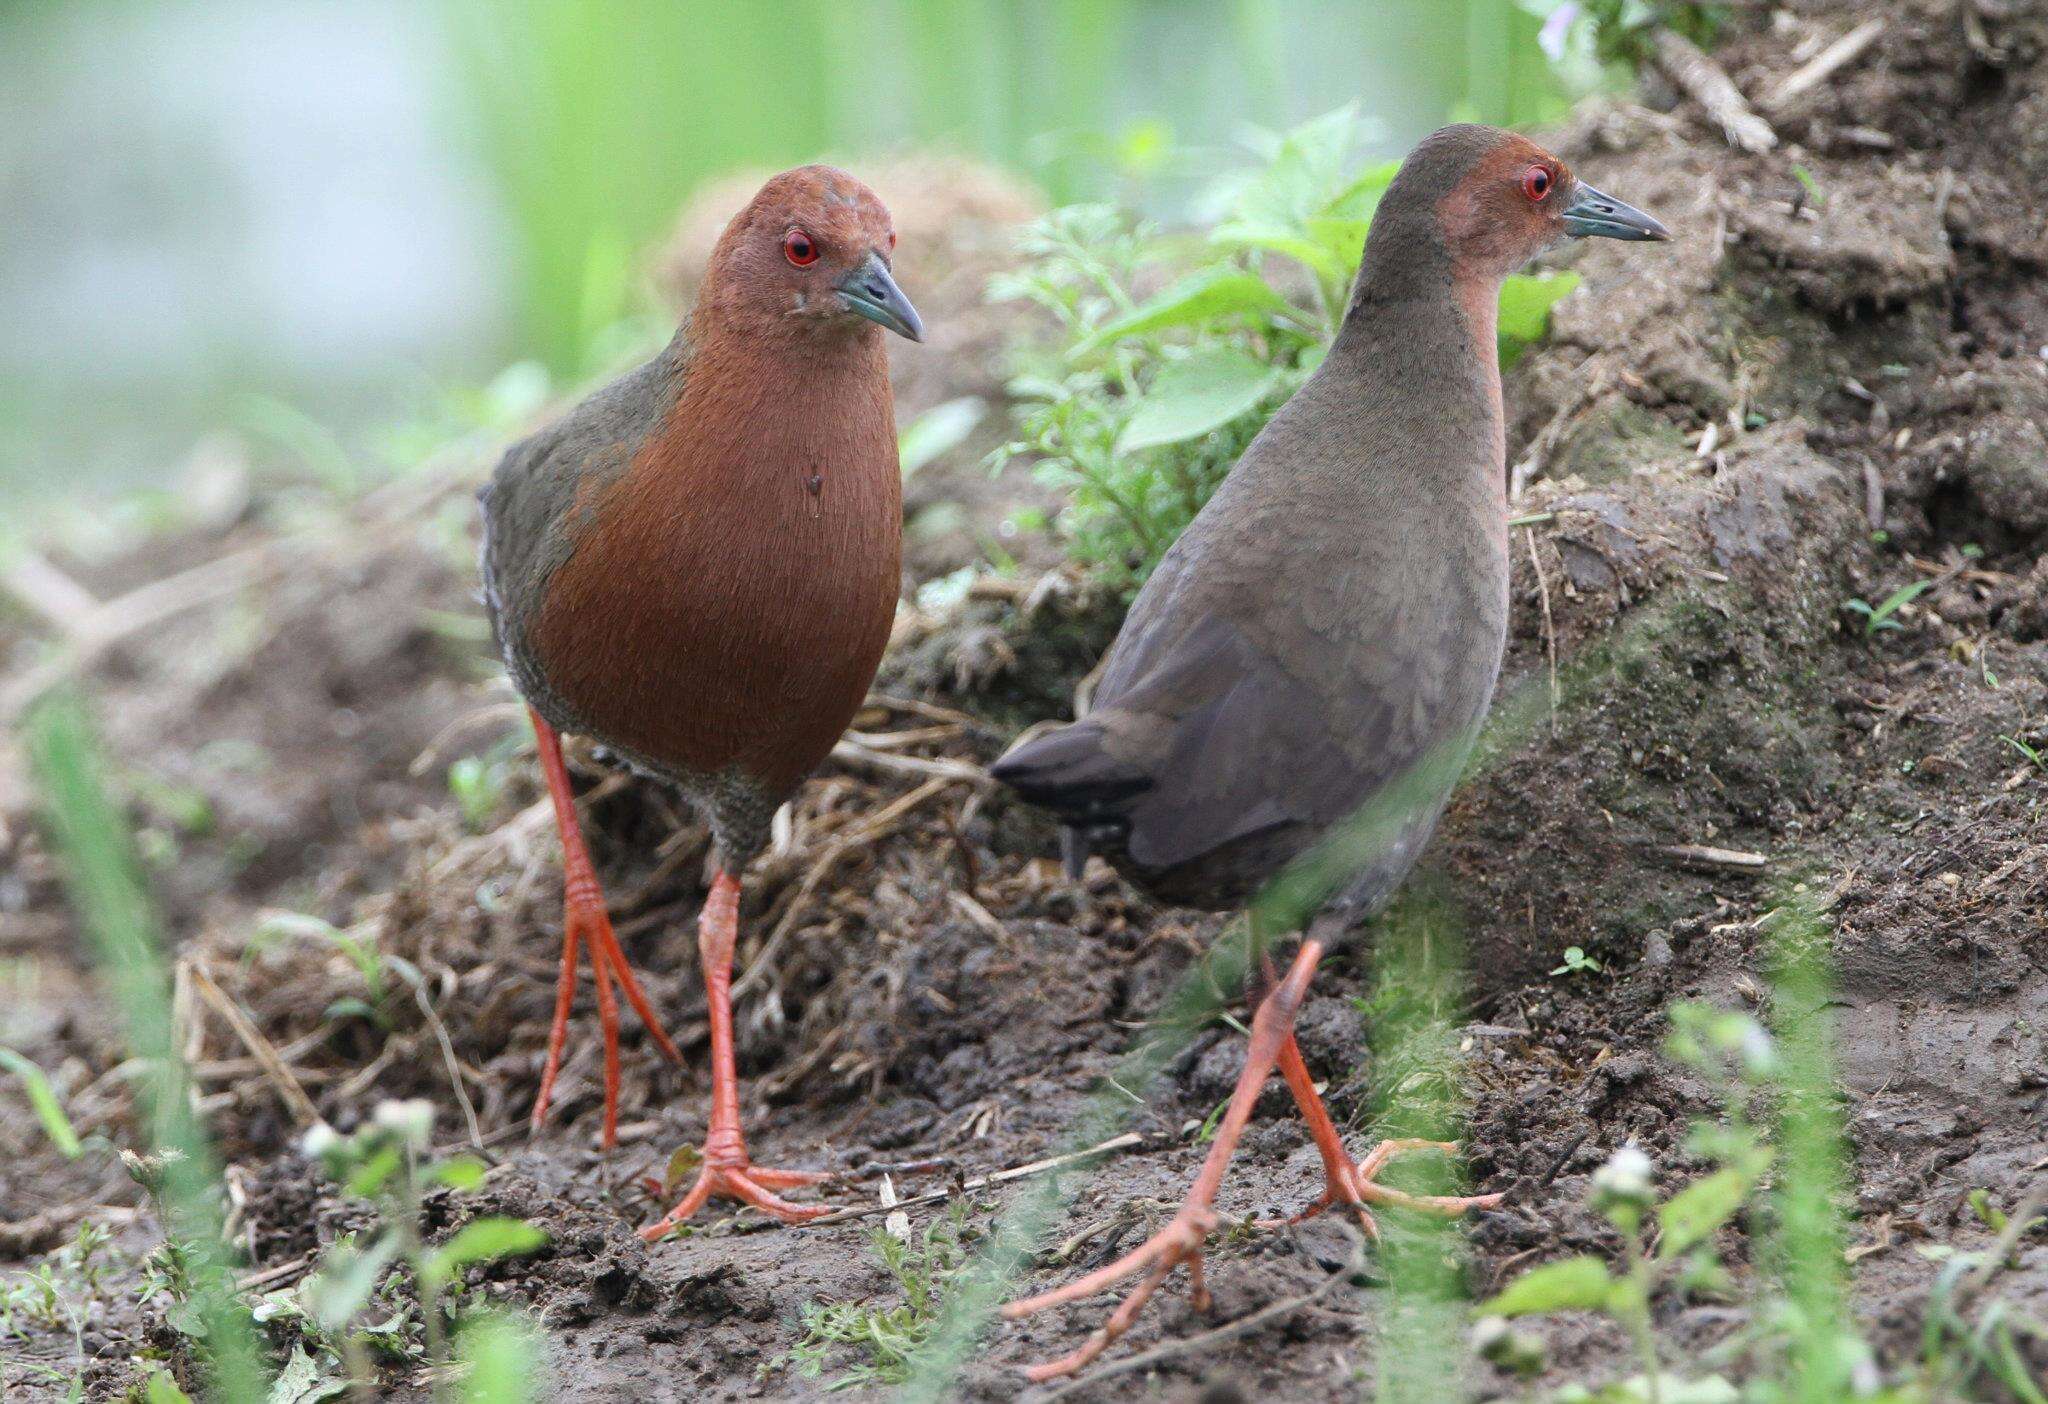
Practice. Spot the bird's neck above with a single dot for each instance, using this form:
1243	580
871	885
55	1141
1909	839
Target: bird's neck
753	401
1420	341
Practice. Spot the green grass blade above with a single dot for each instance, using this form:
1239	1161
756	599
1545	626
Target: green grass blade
92	845
43	1098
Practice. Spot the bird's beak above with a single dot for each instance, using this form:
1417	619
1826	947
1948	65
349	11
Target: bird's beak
1592	215
870	292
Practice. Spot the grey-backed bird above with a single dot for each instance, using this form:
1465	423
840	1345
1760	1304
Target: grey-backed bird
1325	636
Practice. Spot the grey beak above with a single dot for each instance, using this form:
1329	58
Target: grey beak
1592	215
870	292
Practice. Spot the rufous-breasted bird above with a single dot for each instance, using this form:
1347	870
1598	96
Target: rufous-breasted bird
1325	633
697	567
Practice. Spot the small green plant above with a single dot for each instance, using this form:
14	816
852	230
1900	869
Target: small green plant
358	944
2031	752
887	1337
1809	187
478	783
1141	406
384	1163
1878	617
1596	43
42	1099
89	837
61	1293
1735	1053
1577	962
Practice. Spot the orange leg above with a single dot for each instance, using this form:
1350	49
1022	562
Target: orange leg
727	1172
1350	1183
1272	1043
1180	1242
586	925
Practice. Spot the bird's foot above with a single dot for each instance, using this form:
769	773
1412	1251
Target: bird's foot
587	927
1180	1242
735	1177
1351	1186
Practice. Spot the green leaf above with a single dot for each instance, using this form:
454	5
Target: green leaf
502	1357
1342	239
369	1177
1525	303
347	1277
1202	296
1305	247
464	1173
1361	198
1570	1284
1192	396
300	1383
1692	1215
162	1389
937	431
484	1241
1304	173
42	1097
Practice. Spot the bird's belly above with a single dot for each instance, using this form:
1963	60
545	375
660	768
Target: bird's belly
745	649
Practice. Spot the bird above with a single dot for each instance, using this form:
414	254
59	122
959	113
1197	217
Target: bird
697	568
1323	638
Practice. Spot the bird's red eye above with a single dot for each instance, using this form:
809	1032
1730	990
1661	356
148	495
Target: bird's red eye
798	248
1536	182
892	241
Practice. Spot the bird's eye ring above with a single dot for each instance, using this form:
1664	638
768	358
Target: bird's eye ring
1536	183
798	248
892	241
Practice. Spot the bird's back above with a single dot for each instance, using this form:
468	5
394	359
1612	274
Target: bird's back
1332	620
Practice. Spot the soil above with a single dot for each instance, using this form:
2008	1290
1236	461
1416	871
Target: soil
1823	390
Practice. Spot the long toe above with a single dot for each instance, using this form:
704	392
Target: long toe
1355	1186
748	1184
1179	1243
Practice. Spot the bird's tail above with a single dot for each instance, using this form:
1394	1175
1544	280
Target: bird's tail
1070	774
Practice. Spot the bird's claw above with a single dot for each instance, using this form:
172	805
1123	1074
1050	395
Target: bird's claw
1351	1186
1179	1242
749	1184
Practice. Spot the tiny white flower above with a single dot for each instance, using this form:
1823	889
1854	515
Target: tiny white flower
1626	1180
412	1121
319	1141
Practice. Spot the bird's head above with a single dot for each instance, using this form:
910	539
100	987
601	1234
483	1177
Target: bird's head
1498	199
810	254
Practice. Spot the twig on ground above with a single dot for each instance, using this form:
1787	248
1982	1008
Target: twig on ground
272	1276
1823	65
847	842
1707	84
448	1058
42	1231
260	1048
494	712
62	602
1549	627
139	609
1700	855
852	752
1036	1167
1535	459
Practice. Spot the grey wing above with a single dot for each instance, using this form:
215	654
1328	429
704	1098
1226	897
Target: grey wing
1247	769
548	474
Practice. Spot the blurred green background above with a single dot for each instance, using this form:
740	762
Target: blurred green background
312	218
